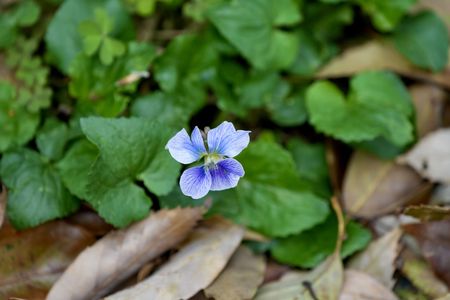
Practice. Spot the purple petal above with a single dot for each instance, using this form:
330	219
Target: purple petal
225	140
195	182
183	149
226	174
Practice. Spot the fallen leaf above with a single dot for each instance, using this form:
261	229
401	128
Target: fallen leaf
241	277
441	194
431	156
446	297
428	212
386	224
378	55
378	260
324	282
121	253
429	103
275	271
361	286
421	275
91	221
373	187
194	267
3	197
32	260
434	241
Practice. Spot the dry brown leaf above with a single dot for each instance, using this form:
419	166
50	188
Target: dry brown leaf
193	268
378	55
91	221
434	241
3	197
431	156
446	297
373	187
378	259
428	212
421	275
429	103
241	277
121	253
32	260
274	271
324	282
361	286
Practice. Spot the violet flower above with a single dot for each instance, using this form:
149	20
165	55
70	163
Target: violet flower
219	170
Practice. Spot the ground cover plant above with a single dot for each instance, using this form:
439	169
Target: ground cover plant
224	149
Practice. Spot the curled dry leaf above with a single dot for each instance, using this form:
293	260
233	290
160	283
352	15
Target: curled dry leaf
240	279
324	282
431	156
421	275
32	260
121	253
3	197
434	241
428	212
201	258
378	55
429	103
378	259
373	187
361	286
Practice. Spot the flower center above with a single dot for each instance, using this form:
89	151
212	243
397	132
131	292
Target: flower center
211	159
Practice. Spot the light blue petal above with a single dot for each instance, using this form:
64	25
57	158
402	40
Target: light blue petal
183	149
195	182
197	140
226	141
226	174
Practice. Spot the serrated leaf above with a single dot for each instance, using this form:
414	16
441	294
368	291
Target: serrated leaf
36	192
130	149
251	26
423	40
271	185
75	165
363	116
299	251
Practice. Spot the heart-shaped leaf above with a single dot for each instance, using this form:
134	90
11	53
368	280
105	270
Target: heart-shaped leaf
363	115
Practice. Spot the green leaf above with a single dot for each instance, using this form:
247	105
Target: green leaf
130	150
270	198
95	86
187	77
386	14
423	39
311	164
363	116
110	49
311	247
17	125
252	26
52	138
166	108
288	110
75	166
63	39
36	193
